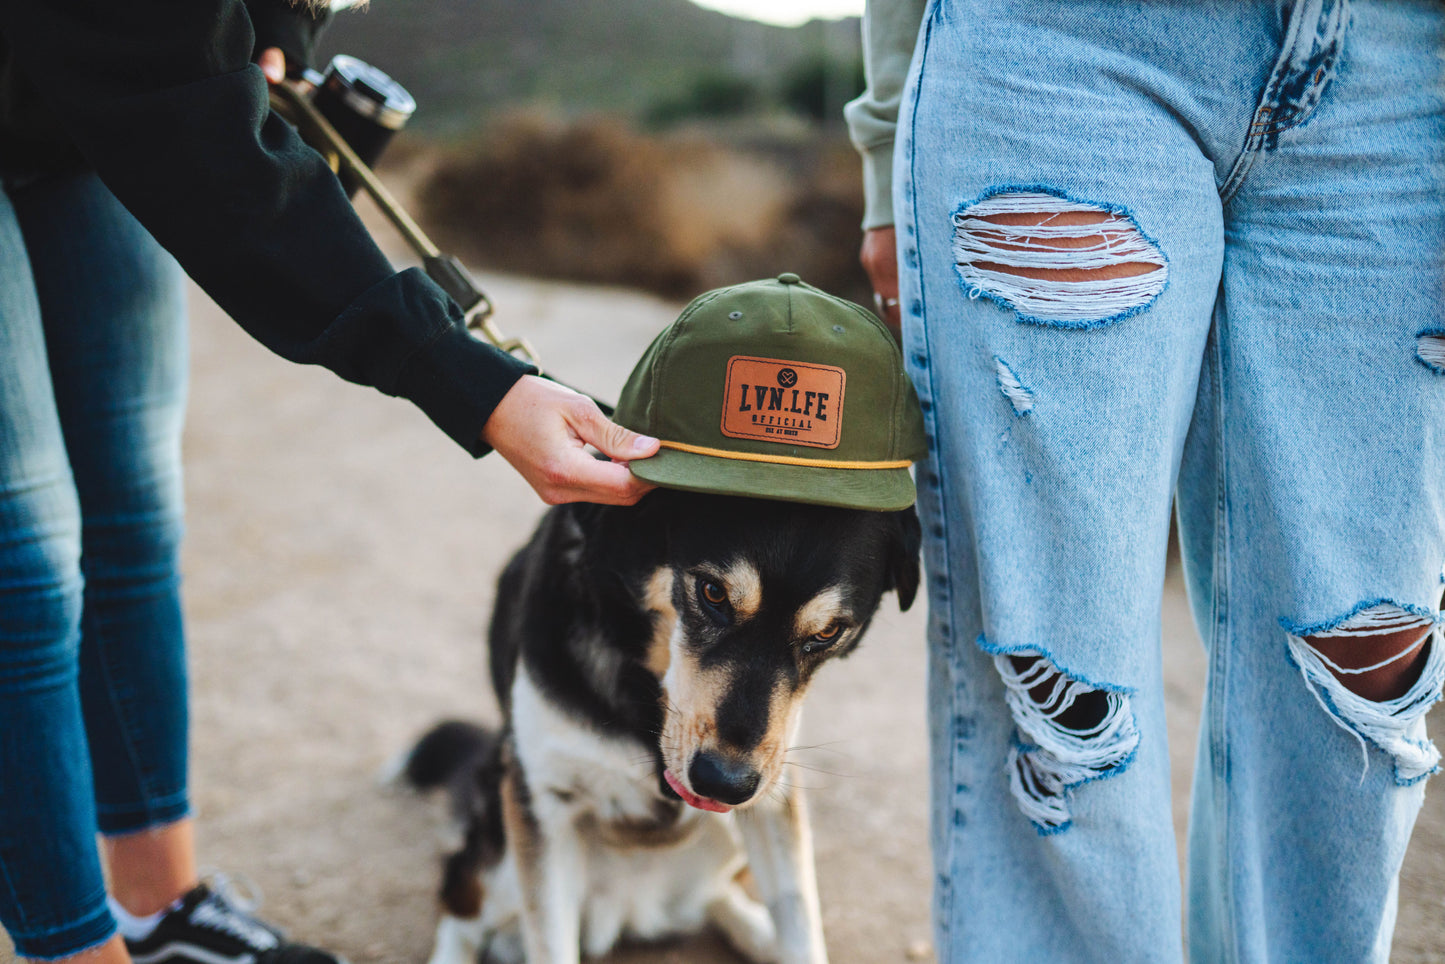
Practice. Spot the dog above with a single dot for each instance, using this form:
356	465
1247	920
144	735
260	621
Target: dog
651	662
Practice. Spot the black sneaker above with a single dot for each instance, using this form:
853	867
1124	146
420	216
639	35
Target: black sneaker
209	928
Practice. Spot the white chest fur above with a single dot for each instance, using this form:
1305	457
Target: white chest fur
595	797
574	771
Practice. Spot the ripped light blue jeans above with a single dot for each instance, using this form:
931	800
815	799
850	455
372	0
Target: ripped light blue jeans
1272	174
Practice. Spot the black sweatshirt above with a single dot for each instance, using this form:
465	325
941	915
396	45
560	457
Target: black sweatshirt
160	96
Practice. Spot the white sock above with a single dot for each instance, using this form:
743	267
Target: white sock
134	928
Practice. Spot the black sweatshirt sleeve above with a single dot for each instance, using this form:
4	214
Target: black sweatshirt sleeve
161	97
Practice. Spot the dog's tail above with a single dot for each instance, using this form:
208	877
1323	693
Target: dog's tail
463	758
466	760
445	751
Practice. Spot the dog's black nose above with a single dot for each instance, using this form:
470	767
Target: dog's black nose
724	780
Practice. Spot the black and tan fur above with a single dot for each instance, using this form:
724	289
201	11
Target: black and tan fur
677	636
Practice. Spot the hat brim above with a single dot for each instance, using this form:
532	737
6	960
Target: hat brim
885	490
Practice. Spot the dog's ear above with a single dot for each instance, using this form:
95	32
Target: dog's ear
907	539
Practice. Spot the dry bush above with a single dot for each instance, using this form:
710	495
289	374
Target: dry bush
554	200
596	201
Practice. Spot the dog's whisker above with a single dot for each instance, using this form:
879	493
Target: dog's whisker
784	784
824	747
812	769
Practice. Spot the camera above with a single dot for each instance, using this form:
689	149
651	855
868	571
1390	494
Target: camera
364	107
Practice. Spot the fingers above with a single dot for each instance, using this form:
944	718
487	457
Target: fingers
273	64
611	439
543	429
879	257
585	479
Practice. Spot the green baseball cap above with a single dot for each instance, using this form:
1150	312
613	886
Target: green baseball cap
776	390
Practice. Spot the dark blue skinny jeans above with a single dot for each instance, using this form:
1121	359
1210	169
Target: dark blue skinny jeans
93	369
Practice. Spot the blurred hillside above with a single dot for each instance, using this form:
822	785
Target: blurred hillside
647	143
675	214
467	61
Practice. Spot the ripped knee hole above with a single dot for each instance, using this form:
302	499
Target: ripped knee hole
1376	672
1378	666
1070	733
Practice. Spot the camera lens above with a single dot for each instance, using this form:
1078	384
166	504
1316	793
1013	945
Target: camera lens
365	106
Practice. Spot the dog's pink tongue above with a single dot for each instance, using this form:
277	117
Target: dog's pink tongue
692	799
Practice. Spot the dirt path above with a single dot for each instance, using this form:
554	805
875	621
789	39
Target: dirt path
340	567
340	562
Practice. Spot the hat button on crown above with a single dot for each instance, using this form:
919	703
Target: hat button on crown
788	278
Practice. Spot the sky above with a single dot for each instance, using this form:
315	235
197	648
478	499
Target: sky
786	12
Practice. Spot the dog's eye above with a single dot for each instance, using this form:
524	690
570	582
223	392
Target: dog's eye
821	641
714	601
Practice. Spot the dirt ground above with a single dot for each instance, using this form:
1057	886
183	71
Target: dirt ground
339	568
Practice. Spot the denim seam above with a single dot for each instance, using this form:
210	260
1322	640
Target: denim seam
119	705
1254	134
1237	174
974	292
153	805
1269	103
1219	650
943	901
1314	95
156	819
102	914
14	895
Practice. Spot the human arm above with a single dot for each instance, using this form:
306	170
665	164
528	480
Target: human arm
160	97
890	30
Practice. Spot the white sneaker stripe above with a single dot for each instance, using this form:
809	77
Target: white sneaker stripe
185	951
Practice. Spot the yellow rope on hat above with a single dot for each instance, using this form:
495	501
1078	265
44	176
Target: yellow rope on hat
784	459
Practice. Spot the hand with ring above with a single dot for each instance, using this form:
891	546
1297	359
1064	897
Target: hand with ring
879	256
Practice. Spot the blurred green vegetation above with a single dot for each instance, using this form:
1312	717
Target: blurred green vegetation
712	94
819	86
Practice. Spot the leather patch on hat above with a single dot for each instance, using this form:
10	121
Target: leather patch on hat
794	403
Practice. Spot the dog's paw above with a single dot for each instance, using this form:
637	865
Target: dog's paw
746	925
458	940
469	940
504	947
